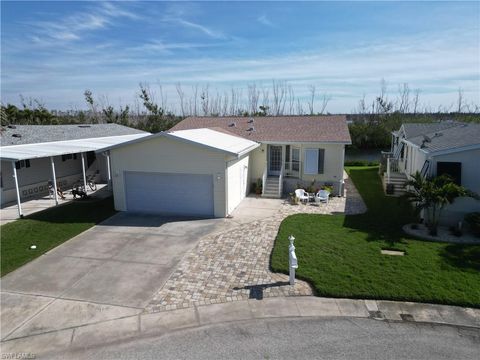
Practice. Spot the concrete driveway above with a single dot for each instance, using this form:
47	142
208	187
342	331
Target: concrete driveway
109	271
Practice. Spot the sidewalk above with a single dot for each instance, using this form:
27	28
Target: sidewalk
157	324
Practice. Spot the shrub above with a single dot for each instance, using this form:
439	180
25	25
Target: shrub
473	220
361	163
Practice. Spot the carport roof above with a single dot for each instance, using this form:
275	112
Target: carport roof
55	148
214	139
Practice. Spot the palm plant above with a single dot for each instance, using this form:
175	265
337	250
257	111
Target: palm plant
432	195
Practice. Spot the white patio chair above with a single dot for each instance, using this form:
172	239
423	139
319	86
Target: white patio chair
322	196
302	195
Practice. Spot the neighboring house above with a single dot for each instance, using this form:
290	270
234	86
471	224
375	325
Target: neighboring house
204	166
38	153
434	149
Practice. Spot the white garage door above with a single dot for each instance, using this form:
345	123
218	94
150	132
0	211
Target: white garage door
177	194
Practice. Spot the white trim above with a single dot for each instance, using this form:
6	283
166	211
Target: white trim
83	172
303	142
187	141
52	163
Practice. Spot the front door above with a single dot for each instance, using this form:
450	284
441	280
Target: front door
274	160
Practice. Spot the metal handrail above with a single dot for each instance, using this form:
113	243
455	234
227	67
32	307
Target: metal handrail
280	181
288	168
264	179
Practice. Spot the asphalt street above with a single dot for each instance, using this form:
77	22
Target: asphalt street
299	338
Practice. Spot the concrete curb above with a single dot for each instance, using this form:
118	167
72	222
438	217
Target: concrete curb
157	324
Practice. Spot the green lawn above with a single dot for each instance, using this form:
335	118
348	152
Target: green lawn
47	229
340	255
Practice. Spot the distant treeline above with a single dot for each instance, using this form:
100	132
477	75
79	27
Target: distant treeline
370	125
373	131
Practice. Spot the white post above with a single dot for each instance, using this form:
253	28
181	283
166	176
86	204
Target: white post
109	172
83	172
19	205
292	260
54	180
388	170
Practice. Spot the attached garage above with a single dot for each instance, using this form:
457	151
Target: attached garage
187	194
200	172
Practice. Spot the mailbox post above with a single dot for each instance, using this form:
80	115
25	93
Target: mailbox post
292	260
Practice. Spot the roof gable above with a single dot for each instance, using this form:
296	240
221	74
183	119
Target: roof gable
276	128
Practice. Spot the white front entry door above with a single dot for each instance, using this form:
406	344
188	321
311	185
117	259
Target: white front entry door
274	159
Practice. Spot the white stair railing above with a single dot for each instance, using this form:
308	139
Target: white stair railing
280	181
264	179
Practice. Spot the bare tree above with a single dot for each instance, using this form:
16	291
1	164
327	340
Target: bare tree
181	97
193	101
253	96
279	95
204	100
460	100
291	100
325	100
311	99
416	99
299	107
362	106
404	98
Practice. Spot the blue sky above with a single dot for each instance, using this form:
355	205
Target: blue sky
53	51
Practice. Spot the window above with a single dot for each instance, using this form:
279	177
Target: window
453	169
69	157
22	164
314	161
295	159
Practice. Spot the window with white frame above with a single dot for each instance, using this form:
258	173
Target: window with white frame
22	164
314	161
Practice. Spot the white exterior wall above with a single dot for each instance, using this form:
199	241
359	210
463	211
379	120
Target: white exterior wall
33	181
238	181
470	179
333	163
414	160
165	155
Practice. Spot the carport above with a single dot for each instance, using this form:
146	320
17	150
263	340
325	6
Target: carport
26	152
199	172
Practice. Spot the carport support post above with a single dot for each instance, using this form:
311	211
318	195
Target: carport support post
108	171
19	204
83	171
54	180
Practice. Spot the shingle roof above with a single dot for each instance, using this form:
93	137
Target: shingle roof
415	129
276	128
458	136
32	134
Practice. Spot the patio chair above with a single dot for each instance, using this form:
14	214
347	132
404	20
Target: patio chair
322	196
302	195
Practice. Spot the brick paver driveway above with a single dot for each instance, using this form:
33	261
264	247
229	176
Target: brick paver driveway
234	264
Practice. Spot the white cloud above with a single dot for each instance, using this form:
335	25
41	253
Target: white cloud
437	63
74	26
264	20
204	29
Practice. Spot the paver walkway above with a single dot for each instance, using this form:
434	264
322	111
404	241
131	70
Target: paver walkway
234	264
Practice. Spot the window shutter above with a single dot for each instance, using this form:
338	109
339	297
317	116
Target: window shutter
321	160
17	165
27	163
64	158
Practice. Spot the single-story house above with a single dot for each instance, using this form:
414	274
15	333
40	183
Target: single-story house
204	166
32	156
434	149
